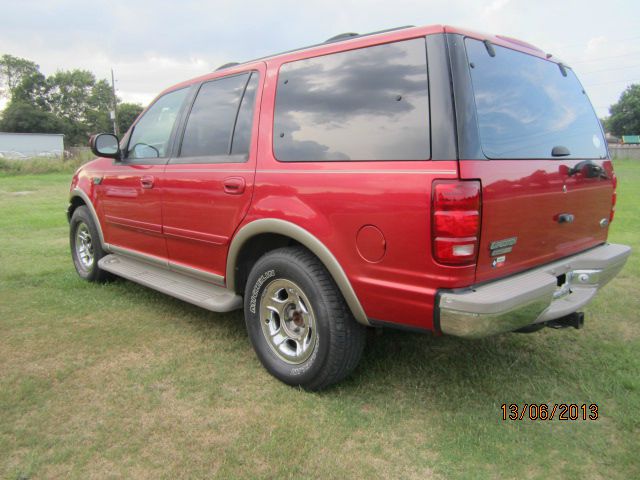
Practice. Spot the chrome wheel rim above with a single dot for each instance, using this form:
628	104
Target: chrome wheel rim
287	321
84	246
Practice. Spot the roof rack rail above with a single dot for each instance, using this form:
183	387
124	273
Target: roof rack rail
350	35
342	36
227	65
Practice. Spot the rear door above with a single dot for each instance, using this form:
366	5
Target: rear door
208	185
541	158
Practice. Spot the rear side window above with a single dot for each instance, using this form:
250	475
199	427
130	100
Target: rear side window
526	106
244	123
214	117
366	104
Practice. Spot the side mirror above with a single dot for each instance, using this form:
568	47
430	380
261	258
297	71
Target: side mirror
105	145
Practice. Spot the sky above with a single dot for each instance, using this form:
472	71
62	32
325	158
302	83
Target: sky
153	44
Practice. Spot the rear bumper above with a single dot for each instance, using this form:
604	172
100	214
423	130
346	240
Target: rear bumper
531	297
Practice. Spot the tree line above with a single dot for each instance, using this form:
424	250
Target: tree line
71	102
624	118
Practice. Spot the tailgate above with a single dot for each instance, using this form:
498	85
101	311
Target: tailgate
533	212
547	184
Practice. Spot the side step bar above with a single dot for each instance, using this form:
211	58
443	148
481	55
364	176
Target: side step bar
189	289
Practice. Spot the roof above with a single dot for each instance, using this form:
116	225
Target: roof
631	139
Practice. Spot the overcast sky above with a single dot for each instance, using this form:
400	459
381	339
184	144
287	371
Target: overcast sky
152	44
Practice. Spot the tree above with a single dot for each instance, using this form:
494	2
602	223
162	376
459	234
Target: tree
82	103
69	102
625	115
127	113
33	89
24	117
99	105
69	93
12	71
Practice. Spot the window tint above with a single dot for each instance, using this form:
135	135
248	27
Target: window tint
526	106
244	123
150	136
210	124
366	104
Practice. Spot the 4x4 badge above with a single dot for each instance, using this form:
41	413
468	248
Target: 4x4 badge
500	247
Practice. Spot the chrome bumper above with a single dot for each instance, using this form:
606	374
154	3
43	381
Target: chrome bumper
531	297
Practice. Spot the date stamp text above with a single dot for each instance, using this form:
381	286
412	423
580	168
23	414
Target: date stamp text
550	411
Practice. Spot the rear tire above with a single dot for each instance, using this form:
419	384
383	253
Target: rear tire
86	249
298	322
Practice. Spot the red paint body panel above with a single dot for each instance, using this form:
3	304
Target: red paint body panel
132	214
523	198
335	205
199	217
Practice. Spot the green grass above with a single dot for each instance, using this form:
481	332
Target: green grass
41	165
101	381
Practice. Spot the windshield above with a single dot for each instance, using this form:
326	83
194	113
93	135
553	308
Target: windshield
526	106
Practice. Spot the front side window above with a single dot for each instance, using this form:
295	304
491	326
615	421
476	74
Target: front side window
365	104
216	112
151	134
526	106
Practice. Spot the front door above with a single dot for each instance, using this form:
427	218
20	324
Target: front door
130	193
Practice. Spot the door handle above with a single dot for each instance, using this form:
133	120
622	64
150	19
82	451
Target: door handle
147	181
234	185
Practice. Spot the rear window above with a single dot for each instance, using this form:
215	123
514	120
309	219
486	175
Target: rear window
365	104
526	106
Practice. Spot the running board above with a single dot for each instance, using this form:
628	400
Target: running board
189	289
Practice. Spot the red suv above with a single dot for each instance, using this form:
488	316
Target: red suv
428	178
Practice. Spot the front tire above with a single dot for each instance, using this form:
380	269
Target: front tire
86	249
298	322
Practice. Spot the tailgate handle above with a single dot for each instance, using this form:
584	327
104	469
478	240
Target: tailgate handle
234	185
565	218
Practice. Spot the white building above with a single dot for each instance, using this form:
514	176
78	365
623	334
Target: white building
29	145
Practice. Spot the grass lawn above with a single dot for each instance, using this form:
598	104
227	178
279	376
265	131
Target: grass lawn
100	381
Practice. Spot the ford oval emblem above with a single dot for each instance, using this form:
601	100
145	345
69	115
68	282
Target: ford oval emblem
604	222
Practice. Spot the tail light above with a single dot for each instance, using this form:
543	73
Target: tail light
455	226
614	198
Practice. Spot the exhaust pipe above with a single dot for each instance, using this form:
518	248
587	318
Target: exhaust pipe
575	320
